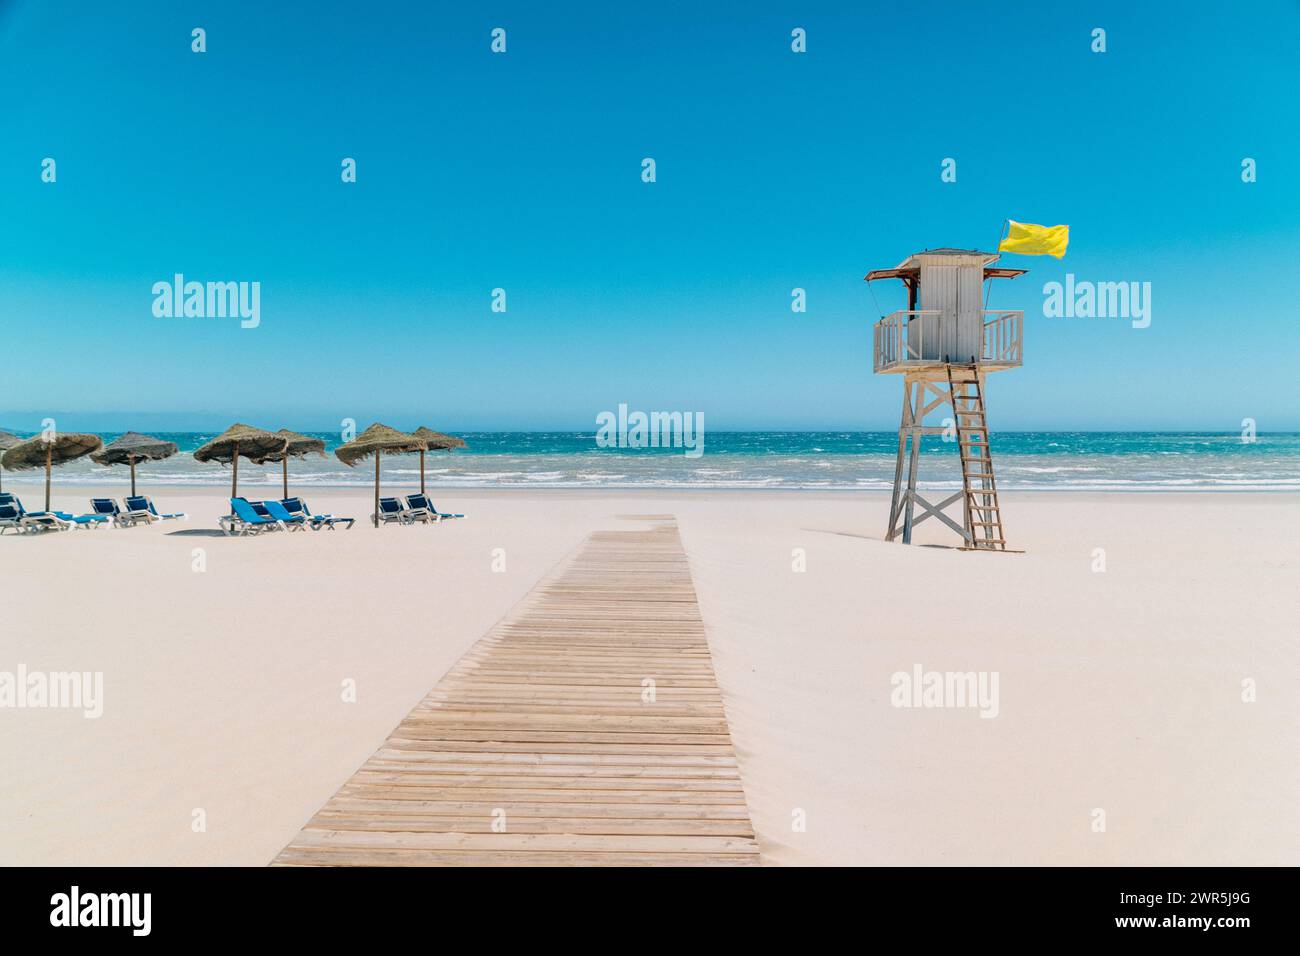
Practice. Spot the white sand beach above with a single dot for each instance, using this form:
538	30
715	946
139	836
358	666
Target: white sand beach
1119	691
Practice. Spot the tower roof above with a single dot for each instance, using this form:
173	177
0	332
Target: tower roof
910	268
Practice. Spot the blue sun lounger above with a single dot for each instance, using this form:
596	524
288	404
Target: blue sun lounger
278	512
419	509
10	518
390	510
298	506
14	515
422	503
49	520
108	508
142	505
245	520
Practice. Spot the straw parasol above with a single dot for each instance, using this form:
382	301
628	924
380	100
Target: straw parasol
436	441
49	450
133	447
7	441
299	446
376	440
255	444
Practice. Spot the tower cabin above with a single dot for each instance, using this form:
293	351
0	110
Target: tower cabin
944	344
951	324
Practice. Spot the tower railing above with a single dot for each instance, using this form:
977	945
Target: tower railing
1002	344
896	343
912	338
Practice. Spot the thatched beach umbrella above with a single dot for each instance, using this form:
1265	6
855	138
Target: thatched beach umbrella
133	447
47	451
299	446
7	441
376	440
255	444
436	441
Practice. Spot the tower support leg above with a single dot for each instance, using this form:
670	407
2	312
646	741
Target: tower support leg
903	432
921	397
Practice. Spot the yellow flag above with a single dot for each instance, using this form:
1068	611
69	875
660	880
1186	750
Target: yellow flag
1030	240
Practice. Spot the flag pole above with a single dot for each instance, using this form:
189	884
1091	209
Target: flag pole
1001	233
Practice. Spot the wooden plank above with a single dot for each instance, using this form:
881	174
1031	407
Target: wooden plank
294	855
502	798
426	823
543	747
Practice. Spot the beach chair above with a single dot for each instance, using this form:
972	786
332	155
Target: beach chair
143	504
35	520
423	503
290	522
109	509
44	521
86	521
89	522
419	509
390	510
298	506
10	518
245	520
140	514
63	520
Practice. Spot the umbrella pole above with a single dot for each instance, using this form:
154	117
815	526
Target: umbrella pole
132	476
234	476
421	472
376	515
286	476
49	451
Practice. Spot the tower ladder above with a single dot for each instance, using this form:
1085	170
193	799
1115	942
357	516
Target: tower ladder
979	486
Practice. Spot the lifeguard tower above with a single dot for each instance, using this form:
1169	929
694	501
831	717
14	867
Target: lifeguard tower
944	344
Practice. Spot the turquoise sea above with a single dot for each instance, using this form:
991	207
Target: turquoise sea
1067	461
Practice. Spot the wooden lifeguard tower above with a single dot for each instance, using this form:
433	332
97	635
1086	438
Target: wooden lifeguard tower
944	349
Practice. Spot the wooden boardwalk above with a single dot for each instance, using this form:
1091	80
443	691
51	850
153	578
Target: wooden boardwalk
585	729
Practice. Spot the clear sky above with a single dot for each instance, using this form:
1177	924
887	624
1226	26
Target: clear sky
523	171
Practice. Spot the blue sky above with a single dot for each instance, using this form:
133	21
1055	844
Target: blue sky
522	171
